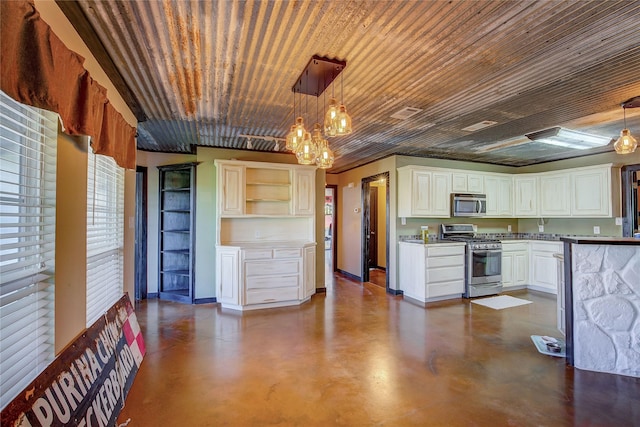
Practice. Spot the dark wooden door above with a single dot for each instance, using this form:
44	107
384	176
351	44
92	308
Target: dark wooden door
373	227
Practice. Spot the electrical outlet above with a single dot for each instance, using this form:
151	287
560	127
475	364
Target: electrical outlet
541	229
403	221
596	229
509	228
618	221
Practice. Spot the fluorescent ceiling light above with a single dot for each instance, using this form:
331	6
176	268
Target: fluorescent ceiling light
569	138
480	125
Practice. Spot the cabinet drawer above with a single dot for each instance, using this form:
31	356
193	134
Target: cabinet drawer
257	254
444	274
444	250
266	268
514	247
447	288
287	253
264	296
270	282
446	261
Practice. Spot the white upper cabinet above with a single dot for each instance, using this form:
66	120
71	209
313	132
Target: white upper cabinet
499	191
231	184
304	191
595	191
526	195
555	195
424	192
464	182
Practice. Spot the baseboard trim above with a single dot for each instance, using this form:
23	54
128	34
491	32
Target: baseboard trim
152	295
395	291
349	275
205	300
321	290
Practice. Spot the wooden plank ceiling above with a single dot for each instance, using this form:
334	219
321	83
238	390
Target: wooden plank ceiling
206	72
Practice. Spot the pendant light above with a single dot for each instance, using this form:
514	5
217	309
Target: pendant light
297	131
626	144
344	120
324	156
306	148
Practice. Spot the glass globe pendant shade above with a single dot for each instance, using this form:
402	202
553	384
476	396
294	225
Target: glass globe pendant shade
325	156
344	121
331	118
626	144
291	140
306	150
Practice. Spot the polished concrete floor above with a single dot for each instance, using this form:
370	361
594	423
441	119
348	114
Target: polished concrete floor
356	356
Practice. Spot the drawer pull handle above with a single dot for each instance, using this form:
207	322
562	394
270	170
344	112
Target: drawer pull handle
270	299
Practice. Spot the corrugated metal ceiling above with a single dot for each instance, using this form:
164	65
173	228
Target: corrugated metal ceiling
206	72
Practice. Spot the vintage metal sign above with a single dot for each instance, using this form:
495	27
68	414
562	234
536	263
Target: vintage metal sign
86	385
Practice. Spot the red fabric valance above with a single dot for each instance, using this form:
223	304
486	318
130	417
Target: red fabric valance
37	69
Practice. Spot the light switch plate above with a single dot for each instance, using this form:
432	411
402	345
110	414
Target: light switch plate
596	229
509	228
618	221
541	228
403	221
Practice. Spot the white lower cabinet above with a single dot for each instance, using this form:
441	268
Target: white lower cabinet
431	272
251	278
515	264
543	266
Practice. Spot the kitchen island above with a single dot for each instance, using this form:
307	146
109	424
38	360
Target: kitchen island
431	271
602	294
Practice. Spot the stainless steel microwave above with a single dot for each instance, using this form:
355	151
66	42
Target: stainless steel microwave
468	205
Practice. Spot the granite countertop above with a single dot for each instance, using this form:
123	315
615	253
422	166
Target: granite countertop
602	240
432	242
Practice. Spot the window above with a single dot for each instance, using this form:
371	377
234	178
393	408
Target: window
28	145
105	235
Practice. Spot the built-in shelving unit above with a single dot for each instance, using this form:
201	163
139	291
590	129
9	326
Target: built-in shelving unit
176	236
265	253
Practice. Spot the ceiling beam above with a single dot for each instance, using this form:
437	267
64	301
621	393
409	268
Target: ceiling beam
74	13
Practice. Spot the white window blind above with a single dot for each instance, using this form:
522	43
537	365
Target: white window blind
28	146
105	235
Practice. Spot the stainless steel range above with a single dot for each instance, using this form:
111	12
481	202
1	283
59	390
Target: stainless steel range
483	260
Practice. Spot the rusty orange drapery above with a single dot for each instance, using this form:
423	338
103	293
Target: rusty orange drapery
38	69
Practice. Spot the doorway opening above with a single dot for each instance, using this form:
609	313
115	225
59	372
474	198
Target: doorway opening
630	200
330	230
375	229
140	286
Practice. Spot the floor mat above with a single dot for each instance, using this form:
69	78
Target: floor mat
500	302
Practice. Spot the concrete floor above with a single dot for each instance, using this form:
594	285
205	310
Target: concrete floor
356	356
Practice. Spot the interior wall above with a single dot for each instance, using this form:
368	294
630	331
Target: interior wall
382	225
71	240
349	196
206	210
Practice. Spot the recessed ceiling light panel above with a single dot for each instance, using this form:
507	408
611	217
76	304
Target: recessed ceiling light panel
480	125
568	138
405	113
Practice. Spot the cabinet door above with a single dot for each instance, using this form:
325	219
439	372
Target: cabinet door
459	182
441	194
526	196
475	183
520	268
421	193
228	275
590	192
304	192
554	195
492	193
507	269
505	196
309	271
543	271
233	191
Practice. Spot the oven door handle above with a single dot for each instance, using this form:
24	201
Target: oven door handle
486	251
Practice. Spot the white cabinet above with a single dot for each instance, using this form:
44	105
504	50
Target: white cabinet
431	272
424	192
265	253
499	191
515	263
555	195
595	191
465	182
304	182
560	302
525	188
228	276
231	190
543	266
